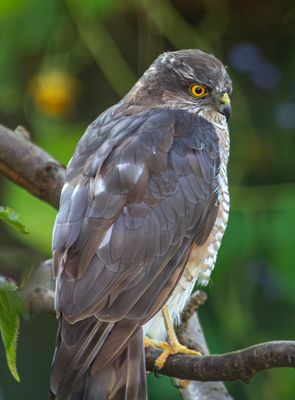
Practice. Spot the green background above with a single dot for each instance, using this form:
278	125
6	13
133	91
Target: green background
99	48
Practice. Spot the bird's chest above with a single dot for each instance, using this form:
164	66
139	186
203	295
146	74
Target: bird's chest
202	259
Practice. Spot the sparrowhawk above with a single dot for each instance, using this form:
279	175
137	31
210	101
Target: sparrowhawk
141	218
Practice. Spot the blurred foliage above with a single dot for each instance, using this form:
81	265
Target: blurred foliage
11	308
8	215
63	62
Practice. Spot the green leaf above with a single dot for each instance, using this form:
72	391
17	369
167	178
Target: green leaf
11	307
34	211
12	218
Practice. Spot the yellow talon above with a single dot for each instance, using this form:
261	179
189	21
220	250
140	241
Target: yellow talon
168	349
171	349
153	343
172	346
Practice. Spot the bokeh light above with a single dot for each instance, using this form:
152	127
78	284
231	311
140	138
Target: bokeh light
248	59
285	115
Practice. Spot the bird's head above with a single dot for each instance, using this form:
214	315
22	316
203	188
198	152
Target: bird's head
185	79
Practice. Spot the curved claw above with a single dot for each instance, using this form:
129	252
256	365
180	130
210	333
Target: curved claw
171	349
168	349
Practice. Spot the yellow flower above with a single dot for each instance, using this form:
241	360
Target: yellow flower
54	92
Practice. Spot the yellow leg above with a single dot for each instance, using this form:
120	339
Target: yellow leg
172	346
153	343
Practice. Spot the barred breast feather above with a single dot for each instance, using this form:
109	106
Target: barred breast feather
201	260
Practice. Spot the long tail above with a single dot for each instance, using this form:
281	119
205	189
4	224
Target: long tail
80	370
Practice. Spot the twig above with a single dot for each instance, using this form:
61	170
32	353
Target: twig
192	339
41	300
191	334
38	293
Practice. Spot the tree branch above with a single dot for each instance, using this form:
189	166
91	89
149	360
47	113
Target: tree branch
29	166
237	365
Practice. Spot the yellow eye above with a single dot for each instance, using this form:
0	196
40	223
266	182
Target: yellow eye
198	90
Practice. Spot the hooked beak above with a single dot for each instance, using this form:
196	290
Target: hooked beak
224	106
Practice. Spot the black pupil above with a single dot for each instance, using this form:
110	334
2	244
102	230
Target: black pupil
198	90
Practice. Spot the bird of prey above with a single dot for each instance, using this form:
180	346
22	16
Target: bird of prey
141	218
